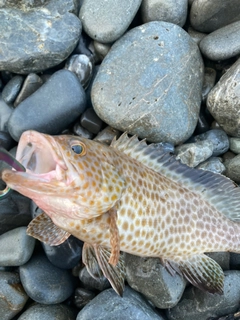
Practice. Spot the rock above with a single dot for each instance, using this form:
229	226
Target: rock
223	43
192	154
81	132
5	113
195	35
12	296
90	121
235	261
165	10
107	135
234	145
109	305
43	44
149	277
233	169
45	312
137	90
199	305
82	297
223	101
106	21
222	258
12	89
50	109
100	50
213	164
6	141
45	283
209	82
208	16
16	247
92	283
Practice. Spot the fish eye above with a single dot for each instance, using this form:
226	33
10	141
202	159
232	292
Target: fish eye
79	148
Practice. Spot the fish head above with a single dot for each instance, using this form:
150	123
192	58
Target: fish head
65	174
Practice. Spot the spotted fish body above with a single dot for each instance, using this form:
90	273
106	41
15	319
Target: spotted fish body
129	197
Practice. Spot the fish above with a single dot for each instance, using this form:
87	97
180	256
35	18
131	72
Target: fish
129	197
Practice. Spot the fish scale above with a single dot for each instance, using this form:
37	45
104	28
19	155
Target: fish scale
130	197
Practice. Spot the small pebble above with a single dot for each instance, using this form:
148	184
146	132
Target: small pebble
233	169
12	88
107	135
82	297
81	132
234	145
100	50
208	82
90	121
195	35
6	141
92	283
213	164
5	113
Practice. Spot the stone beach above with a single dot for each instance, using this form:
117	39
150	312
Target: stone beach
168	71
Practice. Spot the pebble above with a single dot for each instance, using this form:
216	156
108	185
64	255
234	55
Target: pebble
16	247
108	305
208	82
106	21
100	50
199	305
174	11
12	89
223	43
6	141
81	132
82	297
5	113
234	145
50	109
45	283
213	164
223	101
12	296
222	258
45	312
90	121
233	169
208	16
107	135
136	88
149	277
195	35
86	279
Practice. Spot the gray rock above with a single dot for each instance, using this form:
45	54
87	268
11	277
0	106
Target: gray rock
50	109
108	305
137	89
106	21
45	283
223	101
234	145
223	43
107	135
100	50
81	132
82	297
208	82
12	295
196	35
222	258
233	169
36	40
199	305
12	89
235	261
174	11
213	164
16	247
92	283
192	154
149	277
45	312
90	121
5	113
6	141
207	16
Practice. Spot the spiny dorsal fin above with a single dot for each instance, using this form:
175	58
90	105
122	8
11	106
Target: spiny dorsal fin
43	229
201	271
216	189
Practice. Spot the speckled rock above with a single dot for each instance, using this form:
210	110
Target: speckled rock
223	100
233	169
109	305
199	305
138	90
223	43
174	11
50	109
106	21
213	164
149	277
234	145
207	16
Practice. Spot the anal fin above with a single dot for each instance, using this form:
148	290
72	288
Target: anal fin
43	229
200	270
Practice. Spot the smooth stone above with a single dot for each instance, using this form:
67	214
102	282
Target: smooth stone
149	277
108	305
81	132
16	247
195	35
106	21
54	106
227	157
45	283
233	169
49	37
107	135
89	282
12	296
136	88
5	113
100	50
208	16
198	305
174	11
223	101
192	154
82	297
213	164
222	258
30	85
234	145
208	82
90	121
6	141
45	312
235	261
223	43
12	88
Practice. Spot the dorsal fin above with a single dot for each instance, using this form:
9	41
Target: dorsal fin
216	189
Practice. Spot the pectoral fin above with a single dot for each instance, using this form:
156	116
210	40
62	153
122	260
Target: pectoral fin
201	271
114	239
43	229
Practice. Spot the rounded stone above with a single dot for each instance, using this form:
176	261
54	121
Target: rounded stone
233	169
138	90
50	109
106	21
223	43
12	89
5	113
224	99
6	141
208	16
45	283
100	284
213	164
234	145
